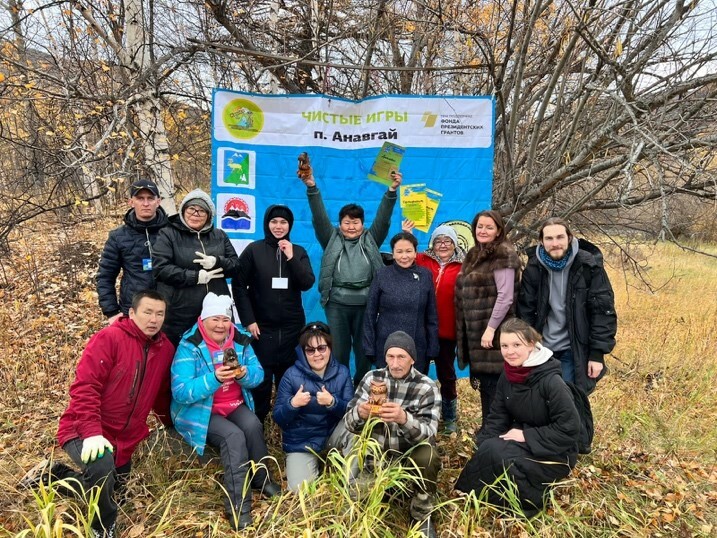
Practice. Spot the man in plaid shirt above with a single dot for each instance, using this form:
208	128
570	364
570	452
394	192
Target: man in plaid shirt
409	417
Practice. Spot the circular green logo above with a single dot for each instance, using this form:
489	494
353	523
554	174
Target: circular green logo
243	119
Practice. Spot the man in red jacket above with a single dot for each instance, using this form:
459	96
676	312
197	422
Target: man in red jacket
122	375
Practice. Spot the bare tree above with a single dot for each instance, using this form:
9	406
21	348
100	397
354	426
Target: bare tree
601	106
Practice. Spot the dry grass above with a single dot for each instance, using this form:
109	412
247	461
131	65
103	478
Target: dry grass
652	471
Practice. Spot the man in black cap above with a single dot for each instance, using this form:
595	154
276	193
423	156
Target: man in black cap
129	249
409	419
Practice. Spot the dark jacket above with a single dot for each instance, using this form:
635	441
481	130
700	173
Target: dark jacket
476	294
592	321
309	427
543	408
258	301
121	376
125	249
177	274
402	300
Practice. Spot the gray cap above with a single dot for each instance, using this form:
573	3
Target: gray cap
401	340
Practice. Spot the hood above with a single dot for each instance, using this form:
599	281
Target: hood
277	210
303	364
458	256
160	220
548	368
574	244
201	195
538	356
130	327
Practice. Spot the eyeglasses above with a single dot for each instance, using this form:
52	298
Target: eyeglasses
192	210
313	350
439	242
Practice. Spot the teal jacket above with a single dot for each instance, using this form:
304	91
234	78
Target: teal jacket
194	384
332	240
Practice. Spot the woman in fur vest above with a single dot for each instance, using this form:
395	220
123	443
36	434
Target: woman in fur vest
486	293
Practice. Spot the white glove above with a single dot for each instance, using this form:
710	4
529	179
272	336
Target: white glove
206	276
94	447
205	261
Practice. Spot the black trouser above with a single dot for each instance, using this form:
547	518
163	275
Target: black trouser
276	351
262	392
446	370
240	439
487	384
100	473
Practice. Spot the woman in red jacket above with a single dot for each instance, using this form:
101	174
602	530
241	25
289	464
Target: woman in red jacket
444	258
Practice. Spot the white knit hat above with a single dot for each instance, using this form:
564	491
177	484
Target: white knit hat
216	305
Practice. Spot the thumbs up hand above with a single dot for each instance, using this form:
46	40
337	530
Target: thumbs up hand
301	398
324	397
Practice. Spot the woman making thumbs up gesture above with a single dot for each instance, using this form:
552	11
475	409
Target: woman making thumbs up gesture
310	403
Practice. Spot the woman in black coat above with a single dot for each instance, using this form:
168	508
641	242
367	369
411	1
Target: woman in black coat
272	274
402	298
191	258
531	431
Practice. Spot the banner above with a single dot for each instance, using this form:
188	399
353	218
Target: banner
442	144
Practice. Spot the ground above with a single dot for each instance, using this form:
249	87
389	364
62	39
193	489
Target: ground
652	471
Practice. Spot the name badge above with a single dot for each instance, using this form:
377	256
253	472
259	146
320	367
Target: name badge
279	283
146	264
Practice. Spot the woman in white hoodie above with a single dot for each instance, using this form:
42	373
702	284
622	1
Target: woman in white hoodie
531	432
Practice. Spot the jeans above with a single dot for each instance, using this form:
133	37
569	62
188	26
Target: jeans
346	322
567	364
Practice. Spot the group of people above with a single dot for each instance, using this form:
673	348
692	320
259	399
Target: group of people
395	318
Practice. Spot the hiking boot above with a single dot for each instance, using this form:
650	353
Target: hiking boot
427	529
243	521
270	489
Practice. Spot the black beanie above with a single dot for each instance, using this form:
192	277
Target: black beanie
401	340
282	212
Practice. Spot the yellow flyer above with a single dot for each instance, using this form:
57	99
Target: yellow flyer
413	203
433	199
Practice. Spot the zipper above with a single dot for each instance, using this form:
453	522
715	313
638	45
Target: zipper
138	376
204	251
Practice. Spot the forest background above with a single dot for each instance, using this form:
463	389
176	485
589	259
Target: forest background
605	114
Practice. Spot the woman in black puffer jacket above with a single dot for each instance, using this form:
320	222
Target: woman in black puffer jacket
532	429
191	258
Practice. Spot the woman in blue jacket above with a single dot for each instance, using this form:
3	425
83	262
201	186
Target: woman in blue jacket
211	403
310	403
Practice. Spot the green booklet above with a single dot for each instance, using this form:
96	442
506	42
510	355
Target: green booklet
388	160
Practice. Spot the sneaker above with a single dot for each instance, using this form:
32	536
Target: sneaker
427	529
40	473
111	532
44	473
